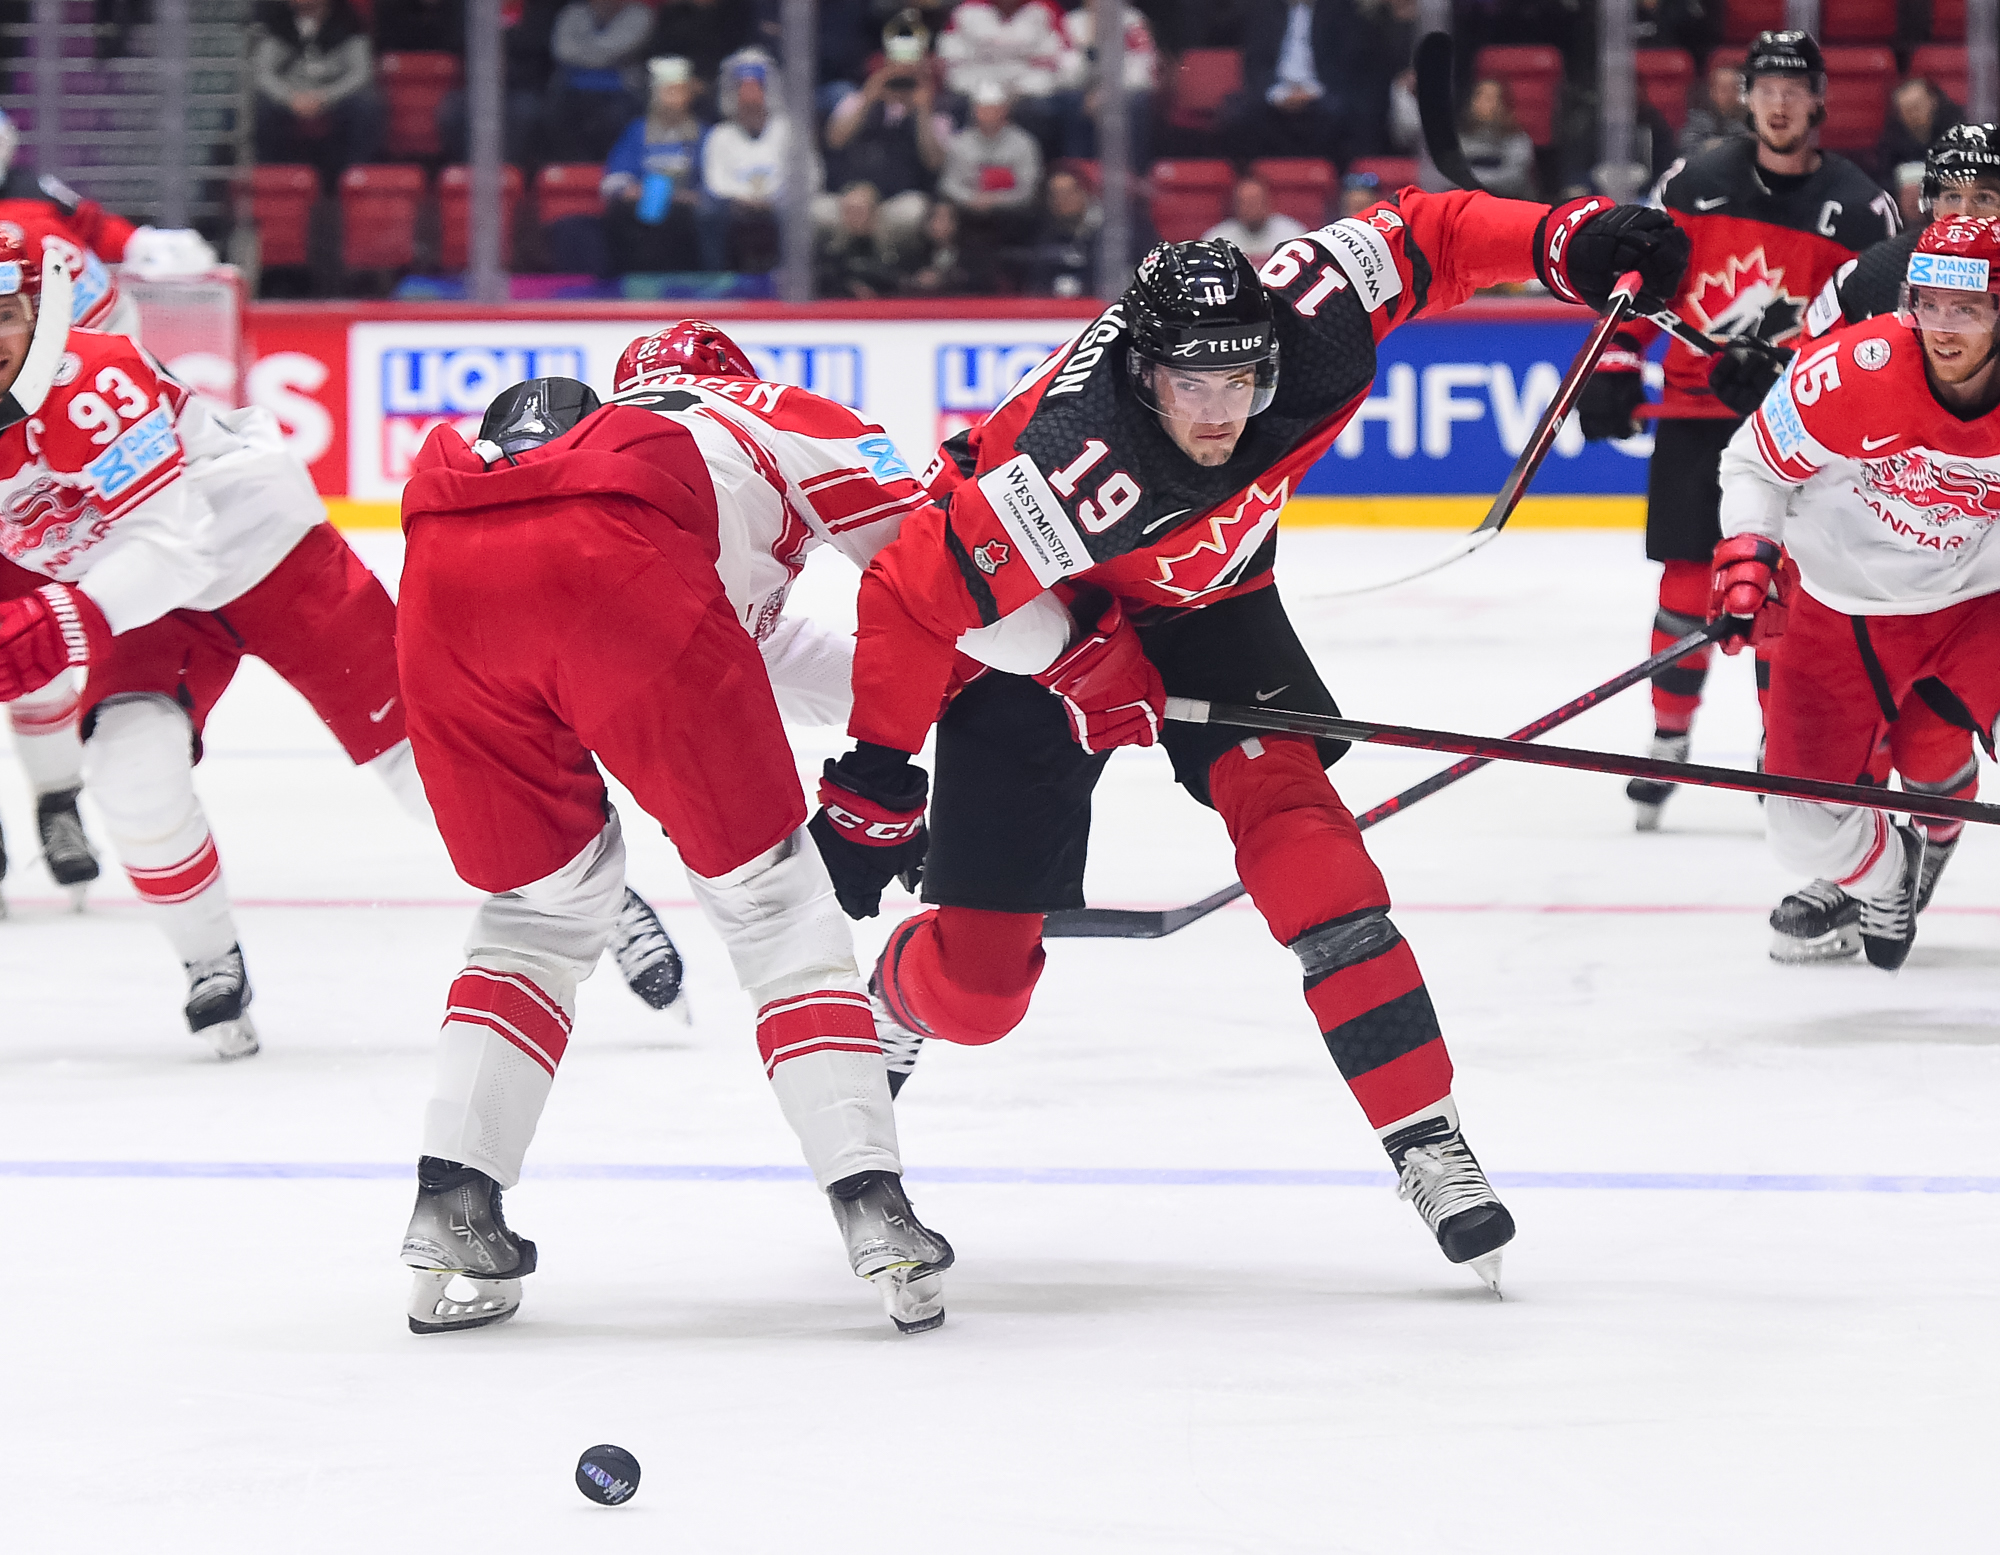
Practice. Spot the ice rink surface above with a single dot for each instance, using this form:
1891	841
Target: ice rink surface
1751	1306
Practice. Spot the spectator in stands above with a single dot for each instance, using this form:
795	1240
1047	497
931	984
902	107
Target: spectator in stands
528	60
1017	46
657	215
1405	126
1907	183
704	32
847	260
1292	104
1919	112
1694	25
1358	191
931	265
1062	260
1252	225
992	170
891	136
419	27
1378	53
315	85
743	160
599	48
1078	78
1718	113
1497	148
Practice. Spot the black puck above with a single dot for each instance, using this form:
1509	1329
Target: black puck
608	1475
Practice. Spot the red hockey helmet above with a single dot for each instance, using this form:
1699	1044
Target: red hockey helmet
1958	254
687	347
20	271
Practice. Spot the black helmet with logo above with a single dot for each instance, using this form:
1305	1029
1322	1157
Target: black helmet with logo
535	412
1961	154
1199	307
1789	52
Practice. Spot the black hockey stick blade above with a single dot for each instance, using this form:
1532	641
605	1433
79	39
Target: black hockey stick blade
1437	110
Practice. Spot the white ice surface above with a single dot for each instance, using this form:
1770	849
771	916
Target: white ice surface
218	1363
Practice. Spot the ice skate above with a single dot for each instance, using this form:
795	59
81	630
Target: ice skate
65	848
1438	1173
1936	856
646	957
1649	794
1889	925
457	1233
1817	922
888	1245
3	873
218	1004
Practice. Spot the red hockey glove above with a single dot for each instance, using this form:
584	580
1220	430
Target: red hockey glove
1612	395
870	825
1742	589
1108	686
44	633
1581	249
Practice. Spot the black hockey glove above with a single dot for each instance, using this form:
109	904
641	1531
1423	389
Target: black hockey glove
870	825
1745	371
1582	248
1609	404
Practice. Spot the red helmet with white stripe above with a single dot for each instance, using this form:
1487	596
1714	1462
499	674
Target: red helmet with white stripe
1958	254
20	271
690	346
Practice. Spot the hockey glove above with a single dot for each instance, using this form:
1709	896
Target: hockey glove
1745	371
870	825
1744	590
1581	249
1108	686
44	633
1609	404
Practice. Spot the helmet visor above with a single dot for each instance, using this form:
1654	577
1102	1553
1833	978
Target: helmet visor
1206	396
1947	309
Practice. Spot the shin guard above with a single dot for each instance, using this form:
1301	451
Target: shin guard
1684	589
824	1063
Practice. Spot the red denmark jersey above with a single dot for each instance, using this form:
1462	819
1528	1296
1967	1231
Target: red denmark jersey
39	227
1759	256
1073	480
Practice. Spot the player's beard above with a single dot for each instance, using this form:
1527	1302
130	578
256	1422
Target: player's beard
1790	148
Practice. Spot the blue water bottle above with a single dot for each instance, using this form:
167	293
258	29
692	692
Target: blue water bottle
656	193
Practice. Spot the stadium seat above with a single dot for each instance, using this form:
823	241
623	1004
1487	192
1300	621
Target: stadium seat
1534	85
1202	83
378	215
1947	21
455	202
1742	20
413	85
1665	75
1394	172
1947	65
565	189
1857	21
1858	83
1728	57
1190	197
1301	187
281	202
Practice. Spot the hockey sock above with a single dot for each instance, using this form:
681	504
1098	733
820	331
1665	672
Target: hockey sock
44	724
397	768
824	1062
1301	856
505	1030
1684	588
963	974
138	764
1933	757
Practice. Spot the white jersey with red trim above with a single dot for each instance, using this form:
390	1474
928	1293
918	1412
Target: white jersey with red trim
128	485
1886	501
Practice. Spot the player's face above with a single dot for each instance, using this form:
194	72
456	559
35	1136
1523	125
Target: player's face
1978	198
1957	330
1205	412
17	328
1781	110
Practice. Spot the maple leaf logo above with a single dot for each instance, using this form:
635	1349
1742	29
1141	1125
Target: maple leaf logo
1746	297
1257	513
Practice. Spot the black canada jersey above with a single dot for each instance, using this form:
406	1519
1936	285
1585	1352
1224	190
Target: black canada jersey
1864	287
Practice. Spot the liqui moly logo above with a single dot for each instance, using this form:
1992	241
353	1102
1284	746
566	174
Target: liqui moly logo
972	380
832	372
426	387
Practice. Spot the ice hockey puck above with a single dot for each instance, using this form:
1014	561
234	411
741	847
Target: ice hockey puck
608	1475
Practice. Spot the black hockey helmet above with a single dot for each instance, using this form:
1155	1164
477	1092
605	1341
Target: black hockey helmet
535	412
1962	153
1198	308
1788	52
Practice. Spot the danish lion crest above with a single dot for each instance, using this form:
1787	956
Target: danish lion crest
1941	494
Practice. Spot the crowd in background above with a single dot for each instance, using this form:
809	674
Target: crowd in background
954	142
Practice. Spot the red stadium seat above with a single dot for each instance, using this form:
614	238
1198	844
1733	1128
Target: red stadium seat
455	205
1742	20
1203	81
1190	197
378	215
1301	187
281	201
1728	57
413	85
1665	76
1393	172
1857	21
1534	85
1858	83
1947	21
1947	65
565	189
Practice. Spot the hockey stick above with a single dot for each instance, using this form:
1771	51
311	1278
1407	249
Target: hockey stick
1437	103
1140	923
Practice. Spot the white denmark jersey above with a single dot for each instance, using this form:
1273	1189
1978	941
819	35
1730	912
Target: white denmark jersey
1886	501
142	494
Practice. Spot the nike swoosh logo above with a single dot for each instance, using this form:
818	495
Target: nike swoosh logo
1709	205
1265	696
1870	444
382	712
1168	519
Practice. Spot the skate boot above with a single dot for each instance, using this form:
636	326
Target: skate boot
1439	1174
1817	922
1889	926
1936	856
3	871
65	849
888	1245
1649	794
900	1033
218	1003
646	957
457	1232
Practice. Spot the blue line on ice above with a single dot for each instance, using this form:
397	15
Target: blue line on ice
1046	1176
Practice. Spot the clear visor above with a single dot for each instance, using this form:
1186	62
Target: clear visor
1206	396
1947	309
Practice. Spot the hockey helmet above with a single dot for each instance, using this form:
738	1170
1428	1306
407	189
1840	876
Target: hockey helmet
690	346
532	413
1198	311
1788	52
20	270
1958	156
1958	255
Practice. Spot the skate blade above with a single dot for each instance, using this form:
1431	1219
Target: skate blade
1487	1267
1648	817
433	1310
231	1039
1834	945
78	895
914	1302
